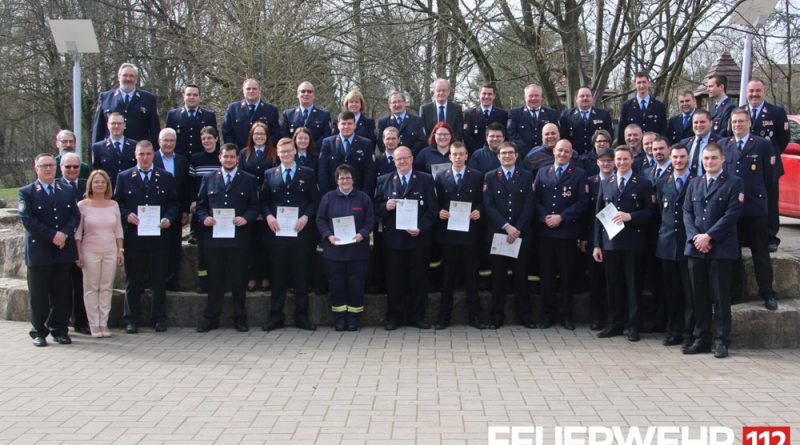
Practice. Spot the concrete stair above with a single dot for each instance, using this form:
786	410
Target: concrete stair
753	325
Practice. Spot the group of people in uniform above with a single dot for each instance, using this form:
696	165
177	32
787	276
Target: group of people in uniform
449	196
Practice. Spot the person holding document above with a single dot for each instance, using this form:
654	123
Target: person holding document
289	201
406	200
227	203
508	200
459	190
561	194
623	253
345	219
148	205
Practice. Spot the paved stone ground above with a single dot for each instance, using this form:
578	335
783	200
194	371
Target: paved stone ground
373	387
376	387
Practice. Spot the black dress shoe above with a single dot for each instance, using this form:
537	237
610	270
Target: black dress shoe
441	325
567	324
596	326
529	325
721	351
83	330
62	339
672	340
160	326
39	341
698	347
773	247
633	334
131	328
390	326
272	325
771	304
305	325
422	324
241	326
476	323
206	326
546	324
687	342
610	331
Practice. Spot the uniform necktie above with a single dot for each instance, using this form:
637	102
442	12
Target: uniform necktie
508	176
710	183
117	146
643	103
390	159
585	115
259	153
657	173
621	183
399	120
191	113
227	179
74	184
652	162
305	115
49	189
252	108
302	160
403	185
486	114
458	178
288	177
559	171
686	119
441	113
127	100
146	175
716	107
535	115
346	146
740	145
679	184
754	114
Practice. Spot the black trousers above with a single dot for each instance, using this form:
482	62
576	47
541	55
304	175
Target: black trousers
49	298
295	261
598	297
753	234
79	319
138	264
678	292
406	285
556	259
773	218
226	267
459	260
346	282
711	282
174	253
522	297
624	278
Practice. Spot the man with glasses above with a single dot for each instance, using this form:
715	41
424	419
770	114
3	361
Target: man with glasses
407	250
410	127
579	124
70	166
65	142
136	106
308	115
116	153
508	203
50	216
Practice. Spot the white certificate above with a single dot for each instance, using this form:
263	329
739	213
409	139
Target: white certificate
406	214
287	219
344	228
605	216
224	227
436	168
149	219
500	246
459	216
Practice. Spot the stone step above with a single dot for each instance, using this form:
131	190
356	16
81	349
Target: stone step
753	325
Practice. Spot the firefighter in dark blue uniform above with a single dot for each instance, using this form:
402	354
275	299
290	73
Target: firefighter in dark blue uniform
579	124
240	115
146	185
115	153
769	121
560	196
289	185
680	125
228	188
346	148
407	250
525	123
50	215
719	104
508	203
632	195
409	126
752	163
137	106
188	120
644	110
306	114
477	119
459	249
712	207
670	195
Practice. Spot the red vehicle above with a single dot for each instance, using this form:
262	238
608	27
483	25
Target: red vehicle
789	199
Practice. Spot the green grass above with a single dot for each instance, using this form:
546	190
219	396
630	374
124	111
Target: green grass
9	194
